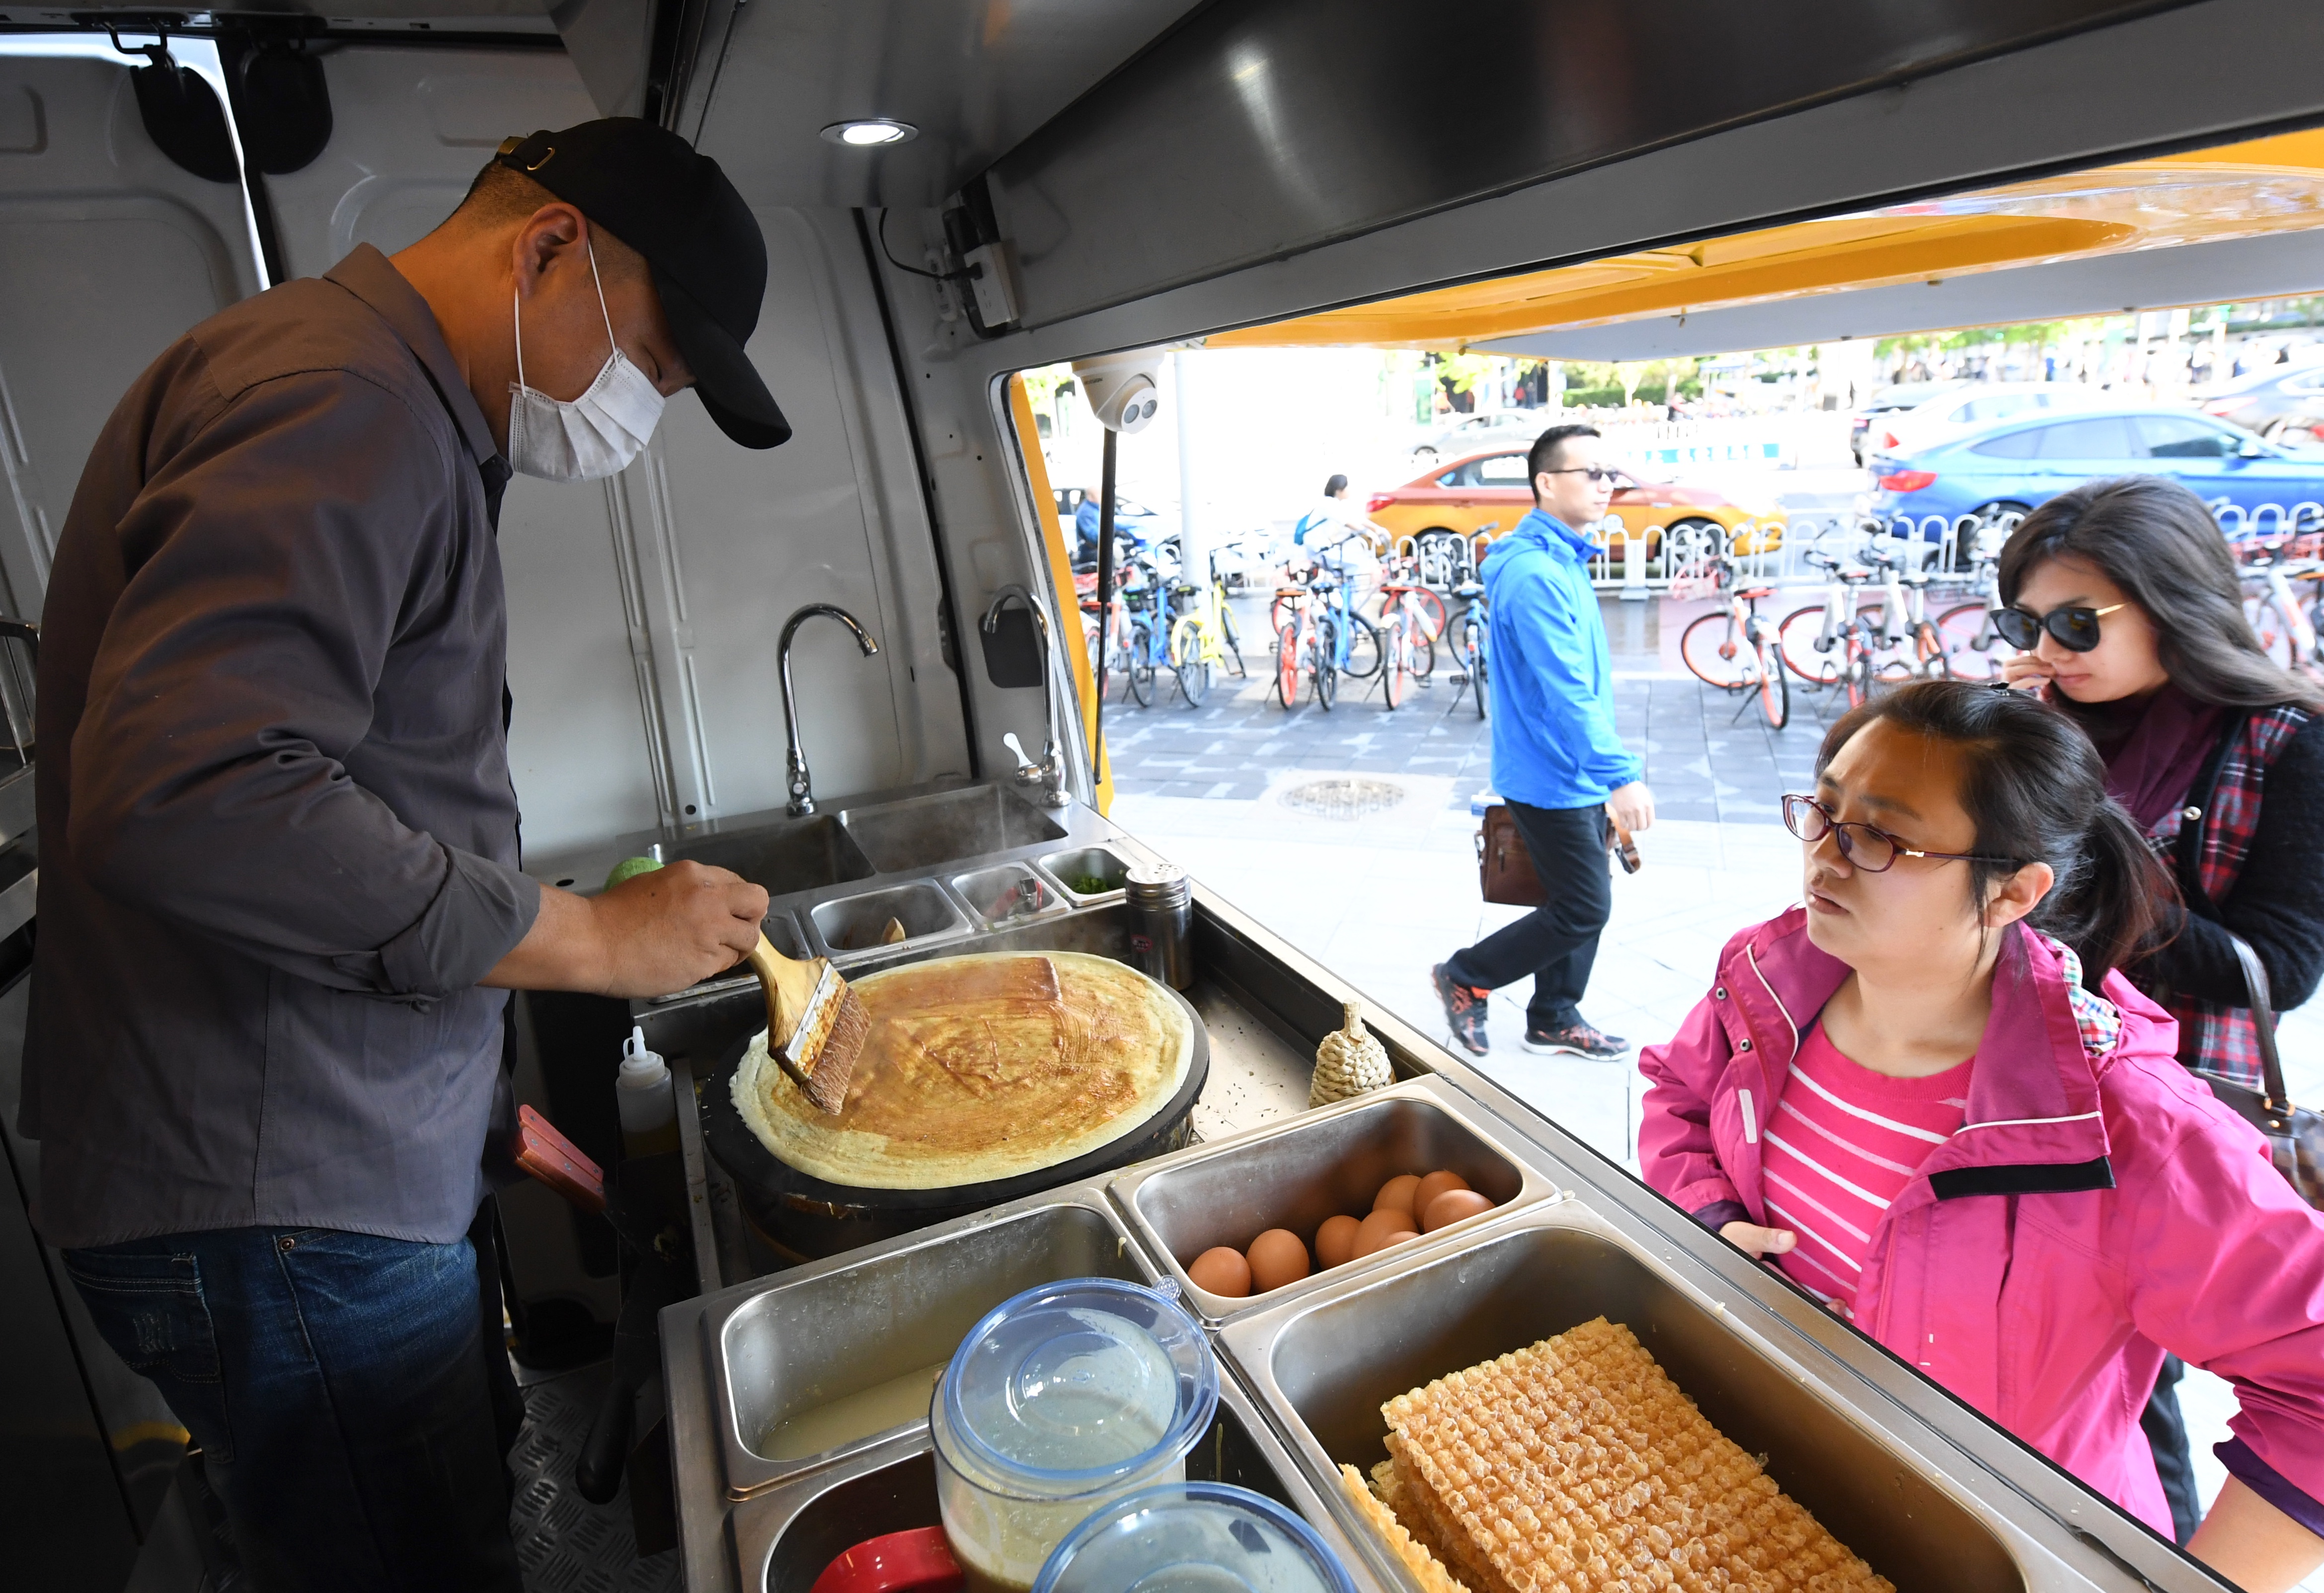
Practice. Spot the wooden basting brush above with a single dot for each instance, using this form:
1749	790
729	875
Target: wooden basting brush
816	1025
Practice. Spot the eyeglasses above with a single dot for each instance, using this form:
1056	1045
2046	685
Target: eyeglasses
1875	851
2077	629
1596	473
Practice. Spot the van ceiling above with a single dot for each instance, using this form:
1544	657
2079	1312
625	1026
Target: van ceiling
975	77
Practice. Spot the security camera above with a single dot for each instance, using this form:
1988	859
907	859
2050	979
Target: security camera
1123	389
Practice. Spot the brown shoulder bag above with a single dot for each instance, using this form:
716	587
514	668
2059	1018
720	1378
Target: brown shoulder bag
1504	867
2294	1135
1504	872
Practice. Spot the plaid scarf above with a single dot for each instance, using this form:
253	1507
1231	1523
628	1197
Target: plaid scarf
2220	1038
2098	1020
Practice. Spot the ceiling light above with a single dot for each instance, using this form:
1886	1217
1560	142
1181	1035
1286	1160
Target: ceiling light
870	133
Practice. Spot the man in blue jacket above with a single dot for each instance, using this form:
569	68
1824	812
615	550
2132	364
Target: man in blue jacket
1556	761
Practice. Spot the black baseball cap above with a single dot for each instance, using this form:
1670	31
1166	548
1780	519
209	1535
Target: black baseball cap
651	189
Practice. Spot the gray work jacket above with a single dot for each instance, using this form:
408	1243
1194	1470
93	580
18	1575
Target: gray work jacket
278	840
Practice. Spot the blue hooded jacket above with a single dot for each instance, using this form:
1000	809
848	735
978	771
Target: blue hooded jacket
1552	673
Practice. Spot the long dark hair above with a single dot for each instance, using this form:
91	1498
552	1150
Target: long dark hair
2036	789
2155	539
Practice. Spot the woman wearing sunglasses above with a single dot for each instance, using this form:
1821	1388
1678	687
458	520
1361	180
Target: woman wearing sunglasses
2126	607
1930	1096
2125	603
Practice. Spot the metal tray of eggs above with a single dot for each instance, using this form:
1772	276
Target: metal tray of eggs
1268	1214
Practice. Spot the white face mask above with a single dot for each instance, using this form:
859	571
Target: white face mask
582	439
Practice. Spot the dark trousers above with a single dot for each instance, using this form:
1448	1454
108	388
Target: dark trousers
1557	941
2174	1460
341	1389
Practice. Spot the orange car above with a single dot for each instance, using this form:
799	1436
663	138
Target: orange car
1491	488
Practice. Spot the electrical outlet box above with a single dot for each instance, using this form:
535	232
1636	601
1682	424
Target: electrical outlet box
993	274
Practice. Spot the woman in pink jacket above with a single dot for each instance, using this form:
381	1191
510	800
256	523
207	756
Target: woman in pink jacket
1928	1096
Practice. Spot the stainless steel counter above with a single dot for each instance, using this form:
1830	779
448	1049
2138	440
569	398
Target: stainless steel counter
1938	1497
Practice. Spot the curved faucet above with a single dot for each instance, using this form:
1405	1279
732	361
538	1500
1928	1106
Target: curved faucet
802	788
1049	773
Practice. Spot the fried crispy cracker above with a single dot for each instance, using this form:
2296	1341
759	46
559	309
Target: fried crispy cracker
1432	1577
1577	1466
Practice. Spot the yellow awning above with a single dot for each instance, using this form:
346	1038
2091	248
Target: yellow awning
2266	186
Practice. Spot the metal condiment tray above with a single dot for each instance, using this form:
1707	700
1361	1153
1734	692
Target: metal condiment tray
1296	1173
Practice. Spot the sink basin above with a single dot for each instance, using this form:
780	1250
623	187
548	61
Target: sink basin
921	832
803	855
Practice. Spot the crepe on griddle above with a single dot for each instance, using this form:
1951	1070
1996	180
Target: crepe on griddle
978	1069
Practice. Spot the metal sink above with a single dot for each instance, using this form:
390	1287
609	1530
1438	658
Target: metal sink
926	832
803	855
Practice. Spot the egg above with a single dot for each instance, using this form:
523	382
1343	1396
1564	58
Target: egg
1222	1269
1276	1257
1397	1193
1383	1228
1335	1241
1452	1207
1433	1185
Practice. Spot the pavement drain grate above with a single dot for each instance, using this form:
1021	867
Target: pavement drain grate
1342	798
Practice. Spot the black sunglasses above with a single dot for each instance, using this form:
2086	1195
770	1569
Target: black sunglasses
1871	849
1595	472
2077	629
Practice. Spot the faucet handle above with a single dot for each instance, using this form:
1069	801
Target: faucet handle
1013	744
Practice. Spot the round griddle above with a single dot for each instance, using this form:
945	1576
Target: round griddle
810	1219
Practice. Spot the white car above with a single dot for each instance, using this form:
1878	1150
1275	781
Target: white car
1467	434
1951	415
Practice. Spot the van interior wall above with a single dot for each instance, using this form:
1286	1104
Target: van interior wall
108	251
643	611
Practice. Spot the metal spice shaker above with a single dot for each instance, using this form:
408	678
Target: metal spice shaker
1161	922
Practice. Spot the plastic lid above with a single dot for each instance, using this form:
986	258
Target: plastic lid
1192	1537
1074	1385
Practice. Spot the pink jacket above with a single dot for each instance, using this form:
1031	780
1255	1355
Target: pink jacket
2097	1209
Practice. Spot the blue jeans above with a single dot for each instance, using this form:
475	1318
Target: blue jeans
336	1385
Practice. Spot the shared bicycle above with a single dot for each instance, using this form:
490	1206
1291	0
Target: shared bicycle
1735	648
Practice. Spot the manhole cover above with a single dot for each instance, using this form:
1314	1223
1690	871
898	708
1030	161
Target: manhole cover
1344	798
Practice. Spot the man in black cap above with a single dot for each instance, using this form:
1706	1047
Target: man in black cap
280	903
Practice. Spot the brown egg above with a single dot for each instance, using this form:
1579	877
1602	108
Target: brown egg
1397	1193
1276	1257
1433	1185
1452	1207
1335	1241
1383	1228
1222	1269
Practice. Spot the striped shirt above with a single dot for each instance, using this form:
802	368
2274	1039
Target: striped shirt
1843	1143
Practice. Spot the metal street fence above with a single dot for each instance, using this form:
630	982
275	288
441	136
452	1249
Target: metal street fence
1773	551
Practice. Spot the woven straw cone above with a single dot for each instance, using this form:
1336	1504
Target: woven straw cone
1349	1062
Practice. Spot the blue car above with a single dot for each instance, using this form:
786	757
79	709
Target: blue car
2018	464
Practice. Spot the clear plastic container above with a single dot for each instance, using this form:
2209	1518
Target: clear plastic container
1063	1399
1192	1537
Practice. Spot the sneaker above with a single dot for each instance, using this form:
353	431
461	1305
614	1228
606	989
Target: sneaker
1576	1039
1465	1010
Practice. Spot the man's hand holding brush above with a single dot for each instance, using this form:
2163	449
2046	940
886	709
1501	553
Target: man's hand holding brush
650	935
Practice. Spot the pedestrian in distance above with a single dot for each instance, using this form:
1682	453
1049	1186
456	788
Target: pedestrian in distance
1336	526
1557	762
2126	600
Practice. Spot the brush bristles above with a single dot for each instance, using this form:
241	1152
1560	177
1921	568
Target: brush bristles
827	1076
